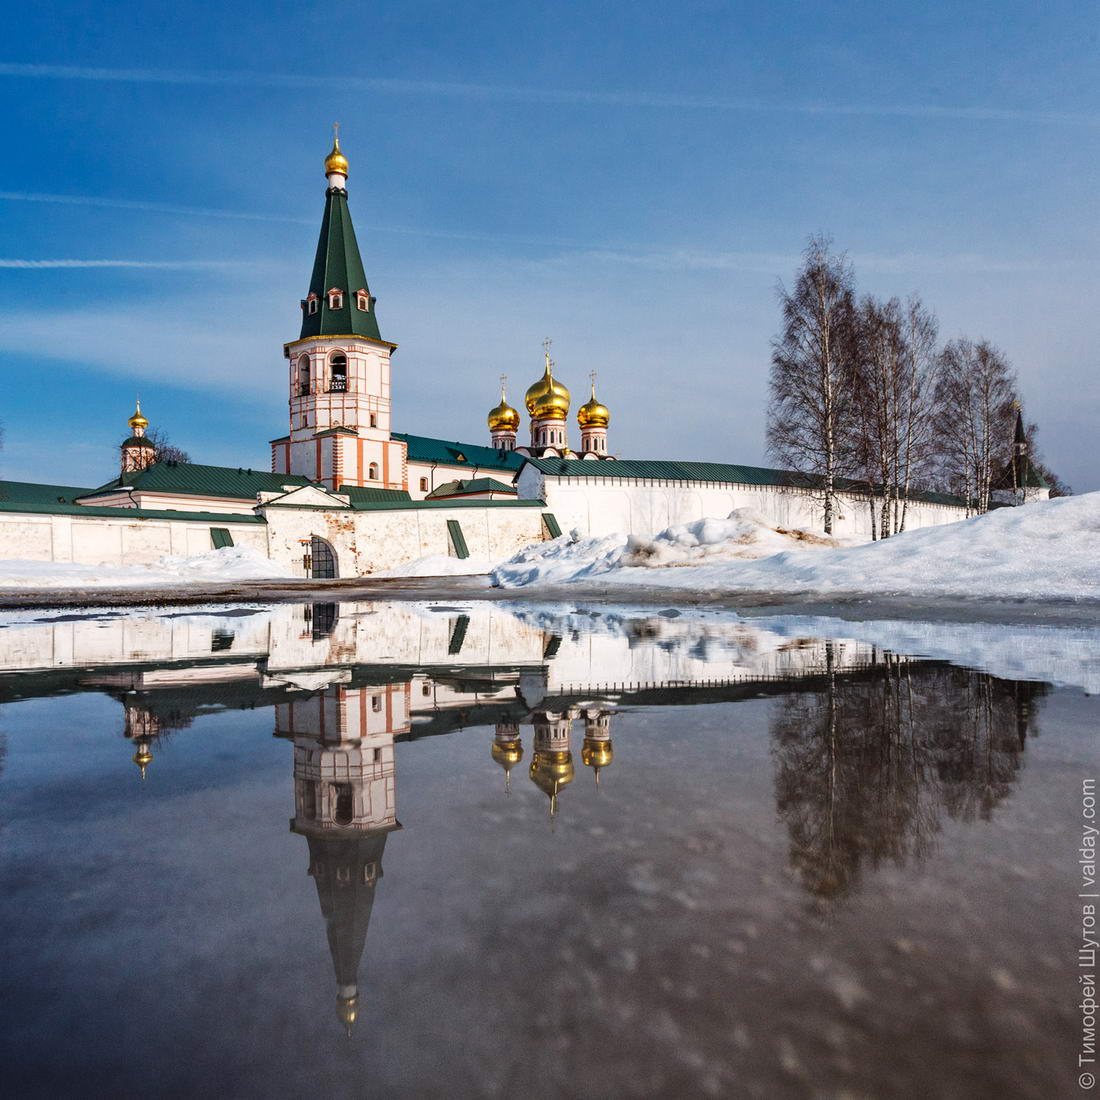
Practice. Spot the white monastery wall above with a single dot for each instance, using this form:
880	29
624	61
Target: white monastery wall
368	542
114	541
605	506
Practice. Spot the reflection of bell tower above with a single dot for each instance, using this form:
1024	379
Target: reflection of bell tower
552	763
344	804
596	753
507	750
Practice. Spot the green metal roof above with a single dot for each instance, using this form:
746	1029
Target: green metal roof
191	479
710	472
28	492
338	264
361	494
423	448
414	505
138	441
57	500
477	485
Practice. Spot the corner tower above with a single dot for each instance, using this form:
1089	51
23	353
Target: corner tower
339	367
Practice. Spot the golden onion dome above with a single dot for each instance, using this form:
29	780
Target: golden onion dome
336	161
508	753
503	418
143	758
596	753
138	419
550	772
551	404
547	384
592	414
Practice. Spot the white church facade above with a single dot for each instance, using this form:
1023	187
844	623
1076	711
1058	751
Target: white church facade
347	496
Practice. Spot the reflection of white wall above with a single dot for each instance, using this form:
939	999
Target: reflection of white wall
619	656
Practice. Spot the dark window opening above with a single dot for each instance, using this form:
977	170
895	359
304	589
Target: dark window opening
338	378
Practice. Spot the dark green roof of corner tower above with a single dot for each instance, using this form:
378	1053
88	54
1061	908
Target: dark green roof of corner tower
338	264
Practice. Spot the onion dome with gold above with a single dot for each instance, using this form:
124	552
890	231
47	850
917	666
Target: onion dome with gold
592	414
503	418
596	753
143	757
547	387
507	751
336	161
551	772
138	419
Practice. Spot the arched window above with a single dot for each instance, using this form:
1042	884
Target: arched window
362	300
335	299
312	304
303	376
344	810
423	484
372	472
374	420
376	703
338	373
322	560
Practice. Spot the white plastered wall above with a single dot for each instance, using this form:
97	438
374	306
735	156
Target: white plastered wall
115	541
368	542
606	505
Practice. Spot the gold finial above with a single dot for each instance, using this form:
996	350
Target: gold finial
138	419
347	1011
336	162
143	758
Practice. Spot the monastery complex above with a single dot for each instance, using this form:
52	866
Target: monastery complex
347	495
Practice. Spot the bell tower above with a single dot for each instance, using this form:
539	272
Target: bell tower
339	367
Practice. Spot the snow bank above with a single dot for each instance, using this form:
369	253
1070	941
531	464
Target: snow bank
1048	550
231	563
745	535
440	565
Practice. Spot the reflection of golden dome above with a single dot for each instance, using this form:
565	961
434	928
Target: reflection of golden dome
347	1011
508	753
550	772
596	754
143	758
546	384
138	419
336	161
592	414
503	418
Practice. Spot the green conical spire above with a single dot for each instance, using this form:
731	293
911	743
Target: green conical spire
338	266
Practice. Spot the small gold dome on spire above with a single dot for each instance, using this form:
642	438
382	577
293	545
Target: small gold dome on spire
592	414
503	418
547	384
347	1012
336	161
138	419
143	758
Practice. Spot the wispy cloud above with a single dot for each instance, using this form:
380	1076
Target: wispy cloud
152	207
519	94
170	265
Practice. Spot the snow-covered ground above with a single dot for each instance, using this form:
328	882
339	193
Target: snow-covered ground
1048	550
232	563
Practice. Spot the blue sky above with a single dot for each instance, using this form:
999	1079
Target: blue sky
631	179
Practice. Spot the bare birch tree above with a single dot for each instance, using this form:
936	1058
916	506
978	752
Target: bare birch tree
976	391
810	392
893	389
